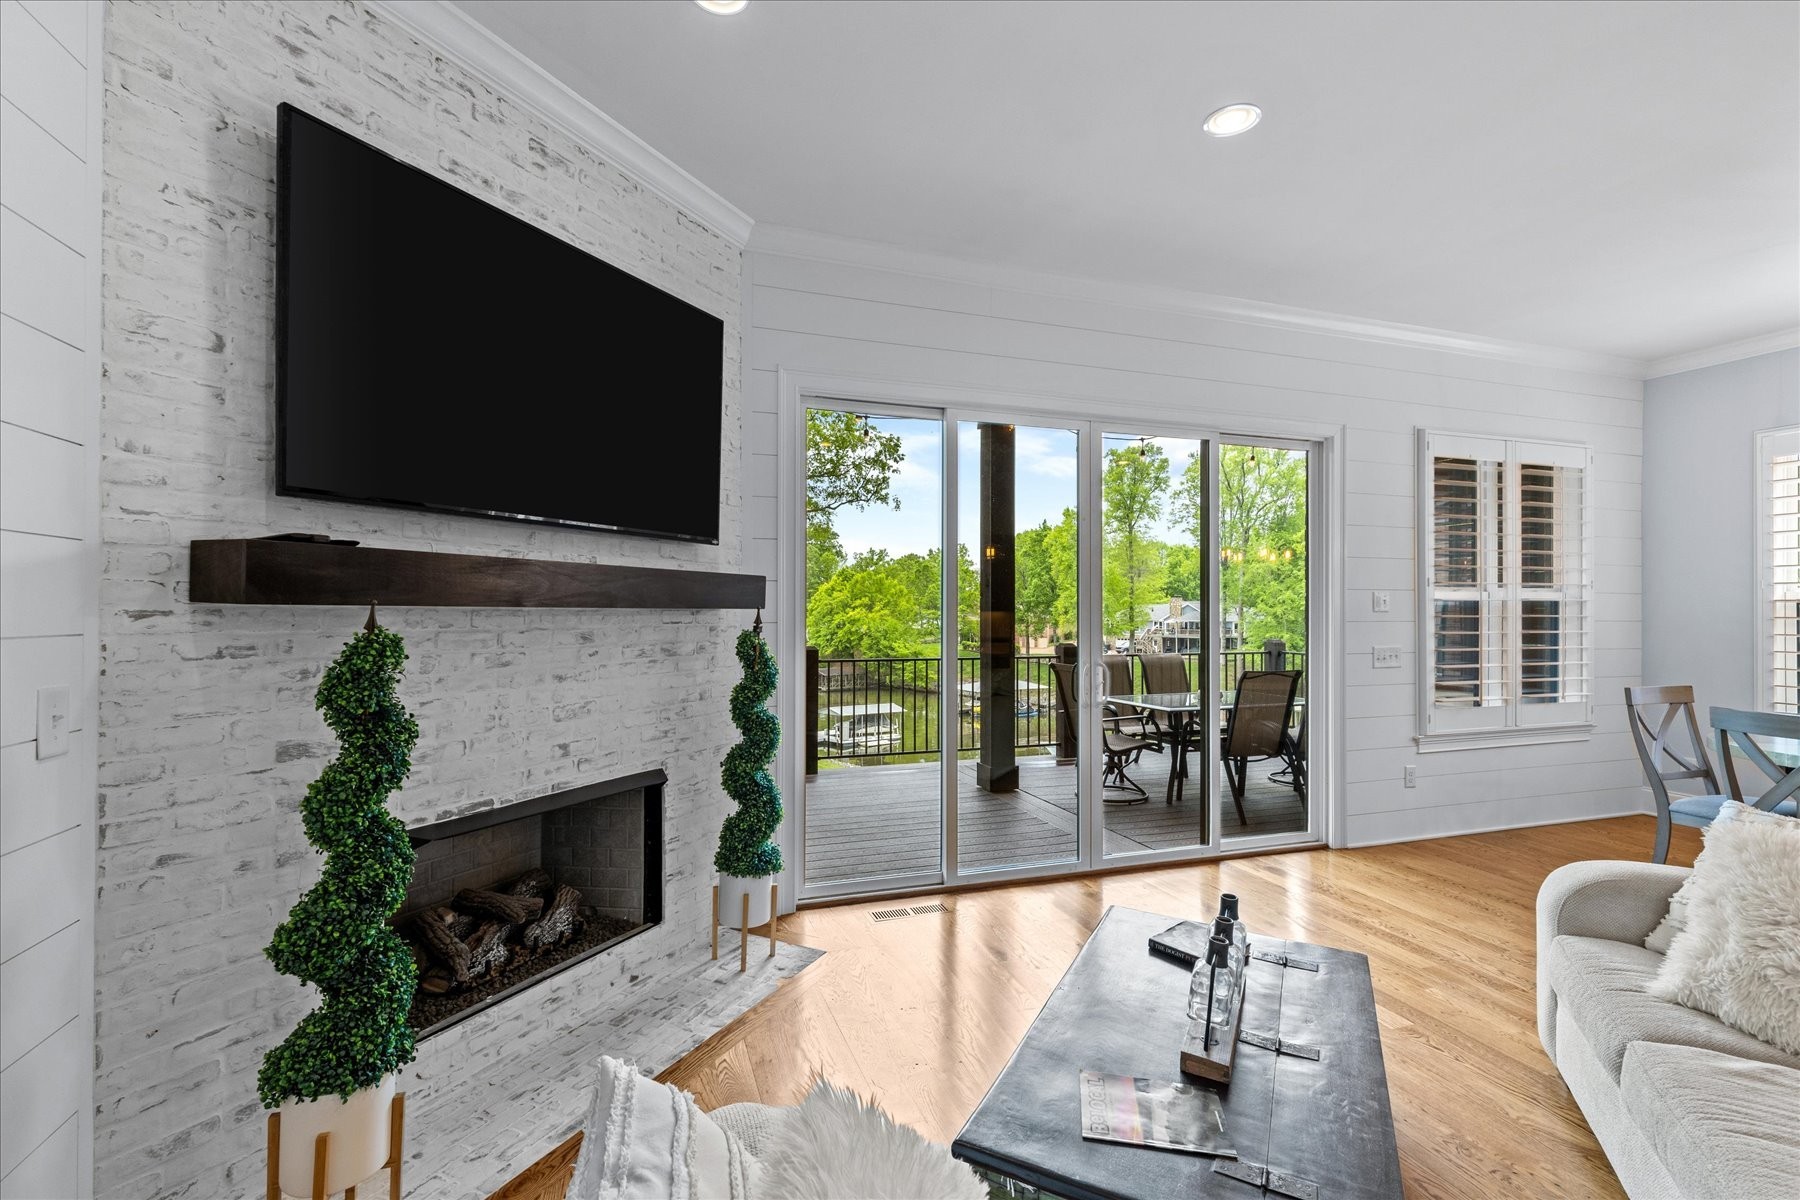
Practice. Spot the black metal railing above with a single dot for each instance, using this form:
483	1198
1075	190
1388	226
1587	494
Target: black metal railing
894	709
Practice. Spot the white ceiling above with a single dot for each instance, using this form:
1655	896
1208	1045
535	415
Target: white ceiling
1620	179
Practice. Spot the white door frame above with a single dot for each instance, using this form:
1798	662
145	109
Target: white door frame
798	390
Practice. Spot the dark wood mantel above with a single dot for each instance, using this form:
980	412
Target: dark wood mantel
275	571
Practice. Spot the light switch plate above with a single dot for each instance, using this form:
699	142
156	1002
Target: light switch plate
1387	656
52	721
1380	601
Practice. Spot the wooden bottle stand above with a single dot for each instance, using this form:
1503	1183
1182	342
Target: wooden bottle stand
744	926
1214	1062
322	1151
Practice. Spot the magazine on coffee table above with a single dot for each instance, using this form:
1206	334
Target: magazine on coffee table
1152	1112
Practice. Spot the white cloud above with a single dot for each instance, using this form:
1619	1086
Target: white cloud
1044	453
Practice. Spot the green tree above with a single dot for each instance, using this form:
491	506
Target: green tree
968	602
1187	507
337	936
922	576
1262	542
824	555
863	612
1131	490
849	464
1060	545
1034	584
1184	578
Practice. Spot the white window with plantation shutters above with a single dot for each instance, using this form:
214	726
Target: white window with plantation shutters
1778	554
1505	596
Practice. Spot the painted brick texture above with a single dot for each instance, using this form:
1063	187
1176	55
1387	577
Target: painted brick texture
208	735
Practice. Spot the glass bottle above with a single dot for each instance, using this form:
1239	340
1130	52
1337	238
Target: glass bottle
1229	974
1228	907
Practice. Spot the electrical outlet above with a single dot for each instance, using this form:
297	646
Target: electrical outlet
1410	777
1387	656
1380	601
52	721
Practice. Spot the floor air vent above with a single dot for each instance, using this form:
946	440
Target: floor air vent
894	914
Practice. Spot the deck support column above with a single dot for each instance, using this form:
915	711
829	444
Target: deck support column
997	770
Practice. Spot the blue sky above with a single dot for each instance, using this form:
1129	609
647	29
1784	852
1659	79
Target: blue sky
1045	484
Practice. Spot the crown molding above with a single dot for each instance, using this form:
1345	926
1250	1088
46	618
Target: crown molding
880	256
1712	356
470	45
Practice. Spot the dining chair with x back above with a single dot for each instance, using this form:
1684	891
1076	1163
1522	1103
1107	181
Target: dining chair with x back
1745	735
1672	750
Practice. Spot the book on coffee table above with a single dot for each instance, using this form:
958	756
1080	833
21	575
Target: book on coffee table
1185	942
1152	1112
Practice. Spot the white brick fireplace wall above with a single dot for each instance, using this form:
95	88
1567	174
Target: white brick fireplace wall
208	734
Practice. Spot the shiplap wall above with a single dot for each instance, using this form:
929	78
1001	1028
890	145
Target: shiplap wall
812	314
49	546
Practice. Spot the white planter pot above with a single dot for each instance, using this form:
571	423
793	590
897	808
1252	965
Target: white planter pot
359	1144
733	889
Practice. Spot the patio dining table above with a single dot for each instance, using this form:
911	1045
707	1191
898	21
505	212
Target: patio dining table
1183	711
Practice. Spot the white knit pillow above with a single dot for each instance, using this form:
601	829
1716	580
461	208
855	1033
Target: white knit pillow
1738	957
647	1139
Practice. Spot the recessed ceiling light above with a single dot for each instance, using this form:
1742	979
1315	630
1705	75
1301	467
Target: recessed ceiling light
723	8
1232	119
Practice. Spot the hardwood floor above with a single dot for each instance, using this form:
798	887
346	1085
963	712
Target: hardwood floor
922	1012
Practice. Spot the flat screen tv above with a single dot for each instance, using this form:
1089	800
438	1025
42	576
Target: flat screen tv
434	352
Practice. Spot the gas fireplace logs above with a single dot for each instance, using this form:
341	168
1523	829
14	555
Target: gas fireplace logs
485	940
558	921
501	906
436	928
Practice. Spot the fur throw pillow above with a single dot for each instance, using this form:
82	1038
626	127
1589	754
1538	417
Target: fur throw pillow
1738	957
1673	922
834	1145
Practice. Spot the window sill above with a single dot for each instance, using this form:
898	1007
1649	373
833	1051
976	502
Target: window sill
1482	739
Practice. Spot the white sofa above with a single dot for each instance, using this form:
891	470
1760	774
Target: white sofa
1684	1105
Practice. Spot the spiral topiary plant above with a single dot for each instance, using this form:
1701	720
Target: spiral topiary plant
744	846
337	937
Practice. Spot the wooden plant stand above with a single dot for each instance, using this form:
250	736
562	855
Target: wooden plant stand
744	926
321	1154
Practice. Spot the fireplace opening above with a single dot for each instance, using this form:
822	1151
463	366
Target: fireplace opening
502	899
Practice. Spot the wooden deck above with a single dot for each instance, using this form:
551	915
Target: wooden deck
866	822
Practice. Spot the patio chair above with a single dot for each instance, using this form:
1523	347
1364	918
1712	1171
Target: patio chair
1168	673
1668	757
1293	770
1120	749
1257	727
1744	728
1133	721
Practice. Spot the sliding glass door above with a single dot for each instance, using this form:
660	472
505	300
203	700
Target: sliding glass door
872	811
1018	783
1033	649
1264	610
1156	621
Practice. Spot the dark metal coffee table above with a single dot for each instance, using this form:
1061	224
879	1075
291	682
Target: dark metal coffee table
1315	1129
